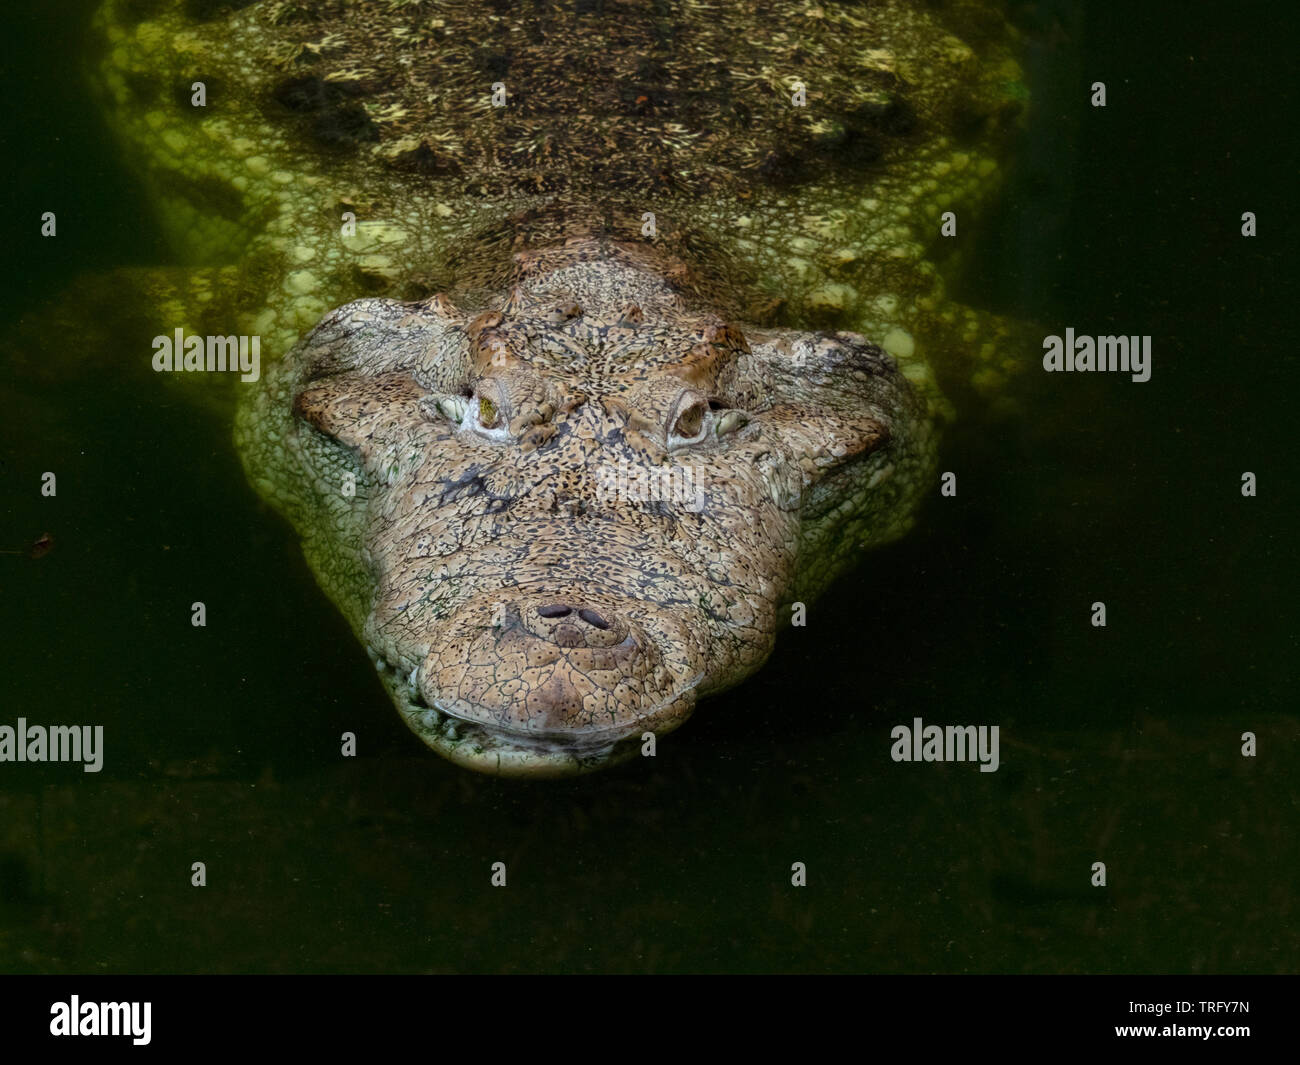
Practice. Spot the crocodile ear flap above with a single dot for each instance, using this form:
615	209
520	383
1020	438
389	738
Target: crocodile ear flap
372	337
360	374
834	400
842	375
828	371
369	413
823	441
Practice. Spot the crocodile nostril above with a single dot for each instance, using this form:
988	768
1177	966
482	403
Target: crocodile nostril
592	618
554	610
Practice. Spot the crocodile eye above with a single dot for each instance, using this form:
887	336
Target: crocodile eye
486	412
470	411
691	422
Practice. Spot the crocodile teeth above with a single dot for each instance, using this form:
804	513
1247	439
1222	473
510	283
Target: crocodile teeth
413	681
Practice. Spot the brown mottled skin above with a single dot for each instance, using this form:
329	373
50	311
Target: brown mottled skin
641	360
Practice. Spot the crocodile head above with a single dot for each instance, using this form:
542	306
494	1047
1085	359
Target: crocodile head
559	519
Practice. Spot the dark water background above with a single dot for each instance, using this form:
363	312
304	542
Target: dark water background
1118	745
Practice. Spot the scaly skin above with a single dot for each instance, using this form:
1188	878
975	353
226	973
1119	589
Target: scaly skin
461	479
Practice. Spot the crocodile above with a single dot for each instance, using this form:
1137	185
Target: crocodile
601	337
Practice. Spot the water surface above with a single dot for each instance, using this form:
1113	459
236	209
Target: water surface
1118	745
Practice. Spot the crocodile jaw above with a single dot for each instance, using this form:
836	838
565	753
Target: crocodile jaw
476	745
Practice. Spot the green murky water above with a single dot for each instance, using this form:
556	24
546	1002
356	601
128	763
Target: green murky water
1119	745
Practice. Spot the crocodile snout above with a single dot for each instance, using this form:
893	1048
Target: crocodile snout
580	671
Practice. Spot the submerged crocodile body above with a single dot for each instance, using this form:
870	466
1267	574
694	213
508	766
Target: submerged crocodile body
637	334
